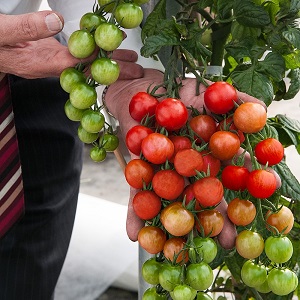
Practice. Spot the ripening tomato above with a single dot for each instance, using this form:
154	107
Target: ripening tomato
261	183
188	196
250	117
282	220
138	172
249	244
235	177
206	247
241	211
269	151
208	191
204	126
211	222
176	219
174	250
152	239
141	105
183	292
168	184
171	114
211	164
180	142
135	136
224	145
146	204
157	148
187	162
227	124
253	274
220	97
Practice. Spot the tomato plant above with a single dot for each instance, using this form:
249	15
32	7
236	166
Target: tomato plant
171	114
210	221
278	249
142	104
241	211
253	274
105	70
150	270
220	97
174	250
269	151
183	292
110	142
92	121
69	77
98	154
91	21
81	43
72	112
176	219
282	220
128	15
169	276
82	95
152	239
206	247
152	294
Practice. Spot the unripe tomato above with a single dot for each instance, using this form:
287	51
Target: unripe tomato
129	15
108	36
211	222
81	43
105	70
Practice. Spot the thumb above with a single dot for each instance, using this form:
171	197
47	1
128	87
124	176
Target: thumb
29	27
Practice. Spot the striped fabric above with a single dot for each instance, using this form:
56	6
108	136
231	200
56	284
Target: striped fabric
11	185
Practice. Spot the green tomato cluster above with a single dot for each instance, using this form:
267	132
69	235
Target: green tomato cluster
97	37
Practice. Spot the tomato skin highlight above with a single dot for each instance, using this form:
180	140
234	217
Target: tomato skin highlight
208	191
152	239
171	114
168	184
188	161
224	145
261	183
250	117
220	97
269	151
138	172
142	104
176	219
146	204
235	177
157	148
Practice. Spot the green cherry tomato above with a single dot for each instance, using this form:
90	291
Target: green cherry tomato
169	276
108	36
263	288
199	275
140	2
92	121
129	15
105	70
69	77
107	5
203	296
150	271
206	247
97	154
183	292
83	96
85	136
81	43
110	142
73	113
151	294
278	249
282	281
253	274
90	21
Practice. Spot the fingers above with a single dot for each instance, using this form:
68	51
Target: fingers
243	97
130	70
29	27
228	234
133	222
124	54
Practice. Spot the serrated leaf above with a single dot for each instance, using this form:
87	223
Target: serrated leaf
154	19
294	86
272	65
224	7
253	83
292	60
249	14
240	32
292	35
290	186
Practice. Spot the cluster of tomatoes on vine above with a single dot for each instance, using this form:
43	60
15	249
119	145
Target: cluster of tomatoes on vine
184	164
100	33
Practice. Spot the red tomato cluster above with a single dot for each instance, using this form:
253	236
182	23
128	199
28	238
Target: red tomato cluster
187	165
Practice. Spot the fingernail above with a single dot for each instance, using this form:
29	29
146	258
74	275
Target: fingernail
53	22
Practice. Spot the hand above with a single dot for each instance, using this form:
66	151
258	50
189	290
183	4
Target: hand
119	107
28	48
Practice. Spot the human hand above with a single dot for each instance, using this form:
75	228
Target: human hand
28	48
117	100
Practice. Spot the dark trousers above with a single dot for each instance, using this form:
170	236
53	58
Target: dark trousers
33	251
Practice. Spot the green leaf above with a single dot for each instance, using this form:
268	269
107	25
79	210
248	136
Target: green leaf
224	8
239	31
154	19
290	187
272	65
292	60
249	14
204	3
292	35
234	264
253	83
294	86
